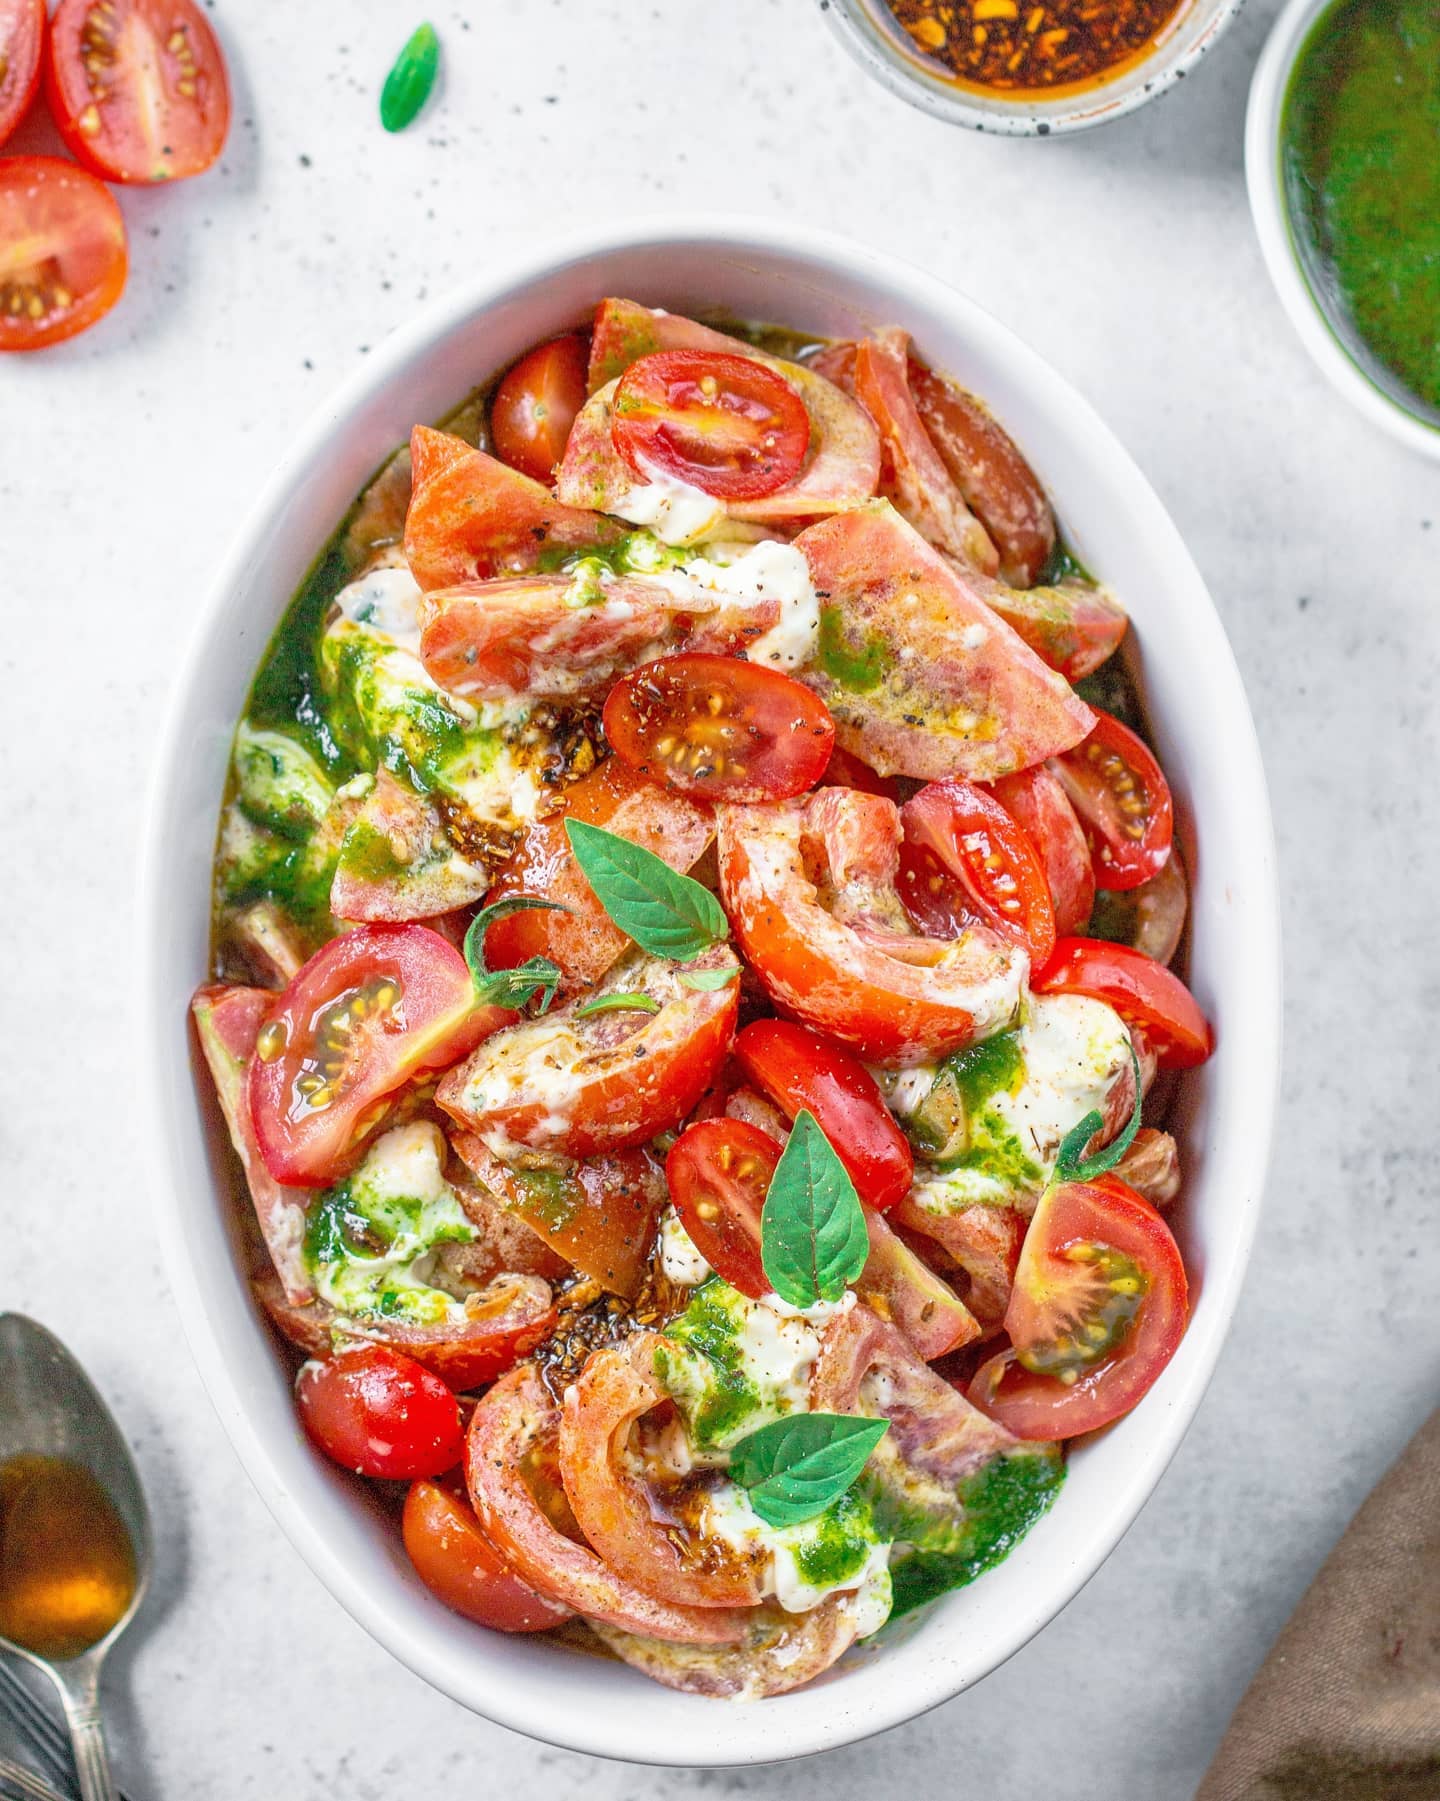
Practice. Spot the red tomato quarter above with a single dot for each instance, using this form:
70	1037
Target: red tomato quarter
720	728
138	87
457	1562
723	423
371	1009
380	1414
798	1069
718	1173
1123	799
1144	993
22	37
986	854
1097	1311
62	251
535	406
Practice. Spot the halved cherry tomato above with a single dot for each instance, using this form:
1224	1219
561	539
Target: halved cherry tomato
1097	1311
138	87
718	1173
583	940
371	1009
725	424
720	728
798	1069
1035	800
62	251
1123	800
583	1084
535	406
985	854
380	1414
22	38
456	1561
1144	993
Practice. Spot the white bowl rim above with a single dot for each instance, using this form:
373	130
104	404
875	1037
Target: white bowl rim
1099	105
744	1735
1265	181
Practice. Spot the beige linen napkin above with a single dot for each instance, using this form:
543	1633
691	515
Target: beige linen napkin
1347	1705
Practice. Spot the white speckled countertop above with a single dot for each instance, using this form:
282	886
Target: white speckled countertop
1127	257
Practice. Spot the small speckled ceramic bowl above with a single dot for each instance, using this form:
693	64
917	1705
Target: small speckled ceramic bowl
1265	176
881	52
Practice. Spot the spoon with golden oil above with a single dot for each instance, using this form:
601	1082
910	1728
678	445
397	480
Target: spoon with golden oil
74	1532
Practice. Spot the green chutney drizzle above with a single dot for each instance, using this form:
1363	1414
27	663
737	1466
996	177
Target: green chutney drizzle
1360	161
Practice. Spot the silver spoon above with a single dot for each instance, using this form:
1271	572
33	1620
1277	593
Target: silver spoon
49	1407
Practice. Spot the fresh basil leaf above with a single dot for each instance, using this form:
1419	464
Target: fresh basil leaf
813	1238
1072	1165
407	86
618	1003
511	987
708	980
667	914
795	1467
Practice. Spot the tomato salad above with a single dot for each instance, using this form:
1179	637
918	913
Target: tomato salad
694	903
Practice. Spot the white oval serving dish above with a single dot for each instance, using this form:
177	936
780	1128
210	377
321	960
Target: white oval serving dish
790	275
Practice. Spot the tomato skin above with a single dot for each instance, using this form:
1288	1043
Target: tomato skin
22	40
128	105
1144	993
458	1564
845	770
535	406
736	730
989	857
1123	800
380	1414
1072	1222
798	1069
79	227
1037	802
385	1003
726	424
718	1173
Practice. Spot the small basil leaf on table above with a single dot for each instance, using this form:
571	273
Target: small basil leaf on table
1071	1163
795	1467
813	1237
618	1003
407	86
667	914
510	987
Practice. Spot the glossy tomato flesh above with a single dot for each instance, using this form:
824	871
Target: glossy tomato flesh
984	852
718	1173
457	1562
1036	801
380	1413
370	1010
535	406
1123	799
22	38
1097	1310
62	251
138	87
1143	992
725	424
798	1069
720	728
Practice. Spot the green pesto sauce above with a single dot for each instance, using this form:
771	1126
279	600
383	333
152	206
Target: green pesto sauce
833	1547
1000	1504
704	1368
548	1197
857	661
1064	565
1360	162
958	1126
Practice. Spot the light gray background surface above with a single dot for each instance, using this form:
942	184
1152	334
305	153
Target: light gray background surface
1128	259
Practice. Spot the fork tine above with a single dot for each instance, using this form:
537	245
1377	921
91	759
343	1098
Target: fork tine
45	1733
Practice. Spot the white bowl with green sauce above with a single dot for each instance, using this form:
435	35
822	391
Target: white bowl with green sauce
785	273
1342	157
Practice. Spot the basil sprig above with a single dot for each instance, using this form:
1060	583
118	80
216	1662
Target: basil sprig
1071	1163
618	1003
813	1237
795	1467
511	987
407	86
667	914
